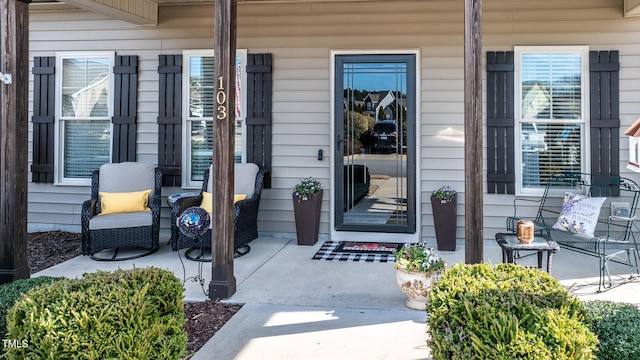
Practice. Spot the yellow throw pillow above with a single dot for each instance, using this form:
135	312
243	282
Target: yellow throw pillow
125	202
207	202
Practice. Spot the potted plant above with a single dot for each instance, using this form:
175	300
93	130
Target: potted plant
418	268
307	202
444	204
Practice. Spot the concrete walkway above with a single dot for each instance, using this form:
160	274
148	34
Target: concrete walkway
298	308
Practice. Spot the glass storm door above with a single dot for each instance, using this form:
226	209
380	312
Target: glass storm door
375	143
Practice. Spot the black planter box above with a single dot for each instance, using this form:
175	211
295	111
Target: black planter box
444	219
307	214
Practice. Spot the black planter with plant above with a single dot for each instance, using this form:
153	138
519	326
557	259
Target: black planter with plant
307	202
444	206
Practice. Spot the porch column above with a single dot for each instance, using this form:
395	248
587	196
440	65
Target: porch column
223	282
473	132
14	85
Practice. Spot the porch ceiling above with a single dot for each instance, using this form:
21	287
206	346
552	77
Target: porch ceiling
139	12
142	12
145	12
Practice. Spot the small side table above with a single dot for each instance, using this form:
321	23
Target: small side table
541	243
171	199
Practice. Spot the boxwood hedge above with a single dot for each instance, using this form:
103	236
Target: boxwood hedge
506	312
11	292
617	326
126	314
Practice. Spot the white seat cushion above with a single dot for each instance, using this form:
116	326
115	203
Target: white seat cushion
244	175
127	177
245	178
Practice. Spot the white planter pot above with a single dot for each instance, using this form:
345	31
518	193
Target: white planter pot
417	286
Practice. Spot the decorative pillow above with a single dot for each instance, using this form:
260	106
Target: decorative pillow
579	214
124	202
207	200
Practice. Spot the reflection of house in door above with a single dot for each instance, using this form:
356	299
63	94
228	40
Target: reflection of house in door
383	102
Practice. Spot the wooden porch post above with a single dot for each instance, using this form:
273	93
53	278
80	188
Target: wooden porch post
223	282
473	131
14	86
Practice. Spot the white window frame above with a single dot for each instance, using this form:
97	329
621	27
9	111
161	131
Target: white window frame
634	154
187	183
584	121
59	128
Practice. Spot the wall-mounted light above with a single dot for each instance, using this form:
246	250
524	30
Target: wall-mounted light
633	132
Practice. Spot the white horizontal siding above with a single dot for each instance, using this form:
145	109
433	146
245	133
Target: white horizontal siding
301	38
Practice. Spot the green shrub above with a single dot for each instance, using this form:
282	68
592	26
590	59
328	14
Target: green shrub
506	312
617	326
11	292
126	314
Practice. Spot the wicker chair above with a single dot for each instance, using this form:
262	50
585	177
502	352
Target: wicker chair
245	219
139	229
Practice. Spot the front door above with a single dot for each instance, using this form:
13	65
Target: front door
375	116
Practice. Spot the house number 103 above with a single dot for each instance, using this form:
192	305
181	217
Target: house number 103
221	100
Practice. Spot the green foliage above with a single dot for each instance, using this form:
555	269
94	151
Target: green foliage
444	193
506	312
11	292
306	187
357	124
617	326
417	257
126	314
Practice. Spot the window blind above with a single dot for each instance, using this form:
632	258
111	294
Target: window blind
85	87
551	86
201	148
201	86
86	146
549	148
85	122
552	121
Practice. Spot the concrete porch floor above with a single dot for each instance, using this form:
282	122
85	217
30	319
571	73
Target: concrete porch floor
298	308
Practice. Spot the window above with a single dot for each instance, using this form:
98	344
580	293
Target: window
198	112
633	132
551	112
83	113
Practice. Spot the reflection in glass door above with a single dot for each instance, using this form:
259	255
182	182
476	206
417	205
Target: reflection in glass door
375	143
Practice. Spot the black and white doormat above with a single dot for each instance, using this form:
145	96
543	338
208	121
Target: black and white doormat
356	251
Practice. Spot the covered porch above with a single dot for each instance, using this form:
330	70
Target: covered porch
296	307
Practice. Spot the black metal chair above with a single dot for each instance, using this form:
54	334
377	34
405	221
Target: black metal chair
248	180
111	221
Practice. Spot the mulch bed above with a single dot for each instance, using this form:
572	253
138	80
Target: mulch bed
203	319
48	248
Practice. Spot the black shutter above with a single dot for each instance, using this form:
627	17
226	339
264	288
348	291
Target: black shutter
500	123
43	119
259	139
604	69
170	119
125	108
